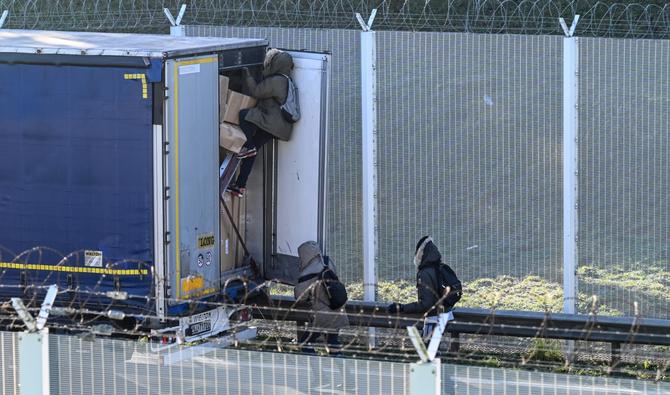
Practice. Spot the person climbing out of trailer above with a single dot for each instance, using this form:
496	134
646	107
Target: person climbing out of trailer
321	291
273	116
438	287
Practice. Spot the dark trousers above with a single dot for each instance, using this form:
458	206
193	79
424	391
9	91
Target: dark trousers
256	138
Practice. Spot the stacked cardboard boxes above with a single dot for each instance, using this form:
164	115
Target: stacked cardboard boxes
232	253
236	102
231	136
232	139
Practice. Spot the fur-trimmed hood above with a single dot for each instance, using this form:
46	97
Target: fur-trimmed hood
277	62
426	252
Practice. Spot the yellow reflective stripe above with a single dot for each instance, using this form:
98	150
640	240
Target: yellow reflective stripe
175	110
74	269
145	89
143	79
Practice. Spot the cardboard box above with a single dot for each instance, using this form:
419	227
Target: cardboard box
223	95
232	253
237	102
231	137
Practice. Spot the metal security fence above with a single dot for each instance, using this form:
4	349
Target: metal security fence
625	174
9	363
475	380
469	146
105	366
89	365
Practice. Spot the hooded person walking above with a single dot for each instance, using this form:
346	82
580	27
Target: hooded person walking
311	290
265	121
438	287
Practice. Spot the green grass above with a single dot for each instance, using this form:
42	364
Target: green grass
649	279
533	293
503	293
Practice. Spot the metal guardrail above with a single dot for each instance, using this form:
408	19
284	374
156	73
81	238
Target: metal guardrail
591	328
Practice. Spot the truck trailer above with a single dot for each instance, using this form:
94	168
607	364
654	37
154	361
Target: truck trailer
110	174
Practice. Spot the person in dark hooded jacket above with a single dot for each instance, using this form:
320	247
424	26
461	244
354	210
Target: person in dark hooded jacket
427	259
265	121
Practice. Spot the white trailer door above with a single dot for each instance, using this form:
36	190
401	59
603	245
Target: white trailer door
300	175
192	132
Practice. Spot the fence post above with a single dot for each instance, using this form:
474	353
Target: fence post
570	171
34	345
570	165
425	378
176	28
369	148
34	362
3	18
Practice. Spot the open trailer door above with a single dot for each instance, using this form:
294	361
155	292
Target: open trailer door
300	171
192	220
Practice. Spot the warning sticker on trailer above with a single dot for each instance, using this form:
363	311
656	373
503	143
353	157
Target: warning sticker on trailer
189	69
93	258
206	241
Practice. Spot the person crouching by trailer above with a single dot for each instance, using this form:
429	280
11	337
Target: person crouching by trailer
321	291
267	119
438	287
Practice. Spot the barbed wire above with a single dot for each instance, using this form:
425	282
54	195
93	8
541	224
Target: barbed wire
95	310
650	19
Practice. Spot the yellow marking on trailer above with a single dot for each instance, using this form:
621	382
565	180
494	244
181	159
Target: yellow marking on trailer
211	59
74	269
192	283
206	240
143	79
175	110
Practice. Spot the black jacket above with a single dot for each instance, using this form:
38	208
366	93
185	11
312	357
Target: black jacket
427	286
